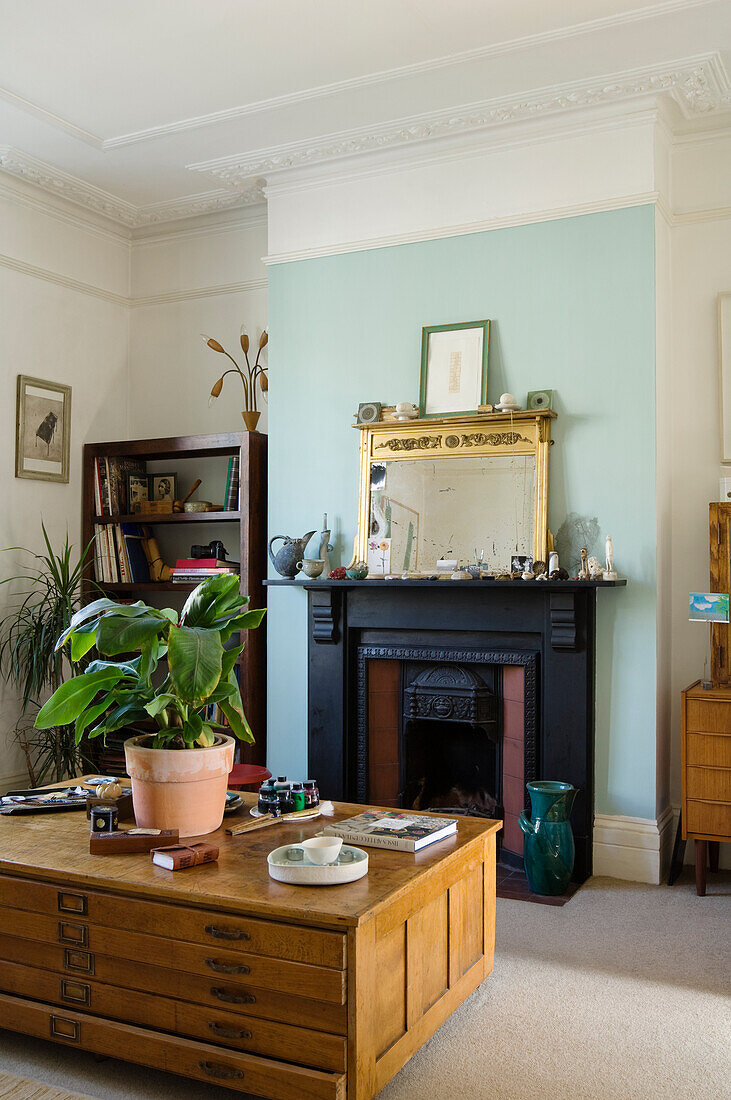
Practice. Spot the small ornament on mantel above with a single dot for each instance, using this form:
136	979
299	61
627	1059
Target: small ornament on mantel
609	573
249	378
325	546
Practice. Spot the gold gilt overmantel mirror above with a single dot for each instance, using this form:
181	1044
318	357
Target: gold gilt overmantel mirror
453	488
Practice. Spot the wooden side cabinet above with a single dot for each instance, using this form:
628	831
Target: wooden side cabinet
705	748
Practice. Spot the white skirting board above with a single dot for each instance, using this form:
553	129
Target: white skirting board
634	848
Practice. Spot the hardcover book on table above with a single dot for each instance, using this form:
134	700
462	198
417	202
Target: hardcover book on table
397	829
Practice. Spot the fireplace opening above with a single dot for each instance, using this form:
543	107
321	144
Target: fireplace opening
452	766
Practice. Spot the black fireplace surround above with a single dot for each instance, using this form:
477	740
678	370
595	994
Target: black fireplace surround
548	627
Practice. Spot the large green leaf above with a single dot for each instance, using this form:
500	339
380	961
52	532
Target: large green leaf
214	598
249	620
194	659
236	718
89	715
81	642
68	701
118	634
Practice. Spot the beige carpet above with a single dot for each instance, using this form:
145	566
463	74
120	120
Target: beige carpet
22	1088
623	994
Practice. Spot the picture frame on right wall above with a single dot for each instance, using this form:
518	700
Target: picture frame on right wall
724	360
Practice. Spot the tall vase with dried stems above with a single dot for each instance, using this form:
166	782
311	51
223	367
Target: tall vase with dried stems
250	377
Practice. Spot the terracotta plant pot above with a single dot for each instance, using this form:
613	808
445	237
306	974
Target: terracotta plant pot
251	419
183	789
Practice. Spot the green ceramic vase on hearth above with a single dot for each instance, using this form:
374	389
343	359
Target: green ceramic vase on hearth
548	848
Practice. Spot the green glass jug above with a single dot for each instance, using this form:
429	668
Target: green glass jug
549	843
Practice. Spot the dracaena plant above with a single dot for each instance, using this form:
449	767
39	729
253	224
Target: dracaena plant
111	695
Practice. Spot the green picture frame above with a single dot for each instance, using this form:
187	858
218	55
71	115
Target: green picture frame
453	380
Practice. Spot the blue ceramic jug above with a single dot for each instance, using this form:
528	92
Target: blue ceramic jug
549	843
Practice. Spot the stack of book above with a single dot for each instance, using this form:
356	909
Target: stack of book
195	570
120	553
398	829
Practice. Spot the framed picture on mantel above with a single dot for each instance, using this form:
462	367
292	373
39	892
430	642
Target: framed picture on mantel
43	430
453	368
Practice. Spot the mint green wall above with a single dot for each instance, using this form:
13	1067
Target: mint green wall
572	309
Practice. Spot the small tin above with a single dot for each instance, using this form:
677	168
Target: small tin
104	819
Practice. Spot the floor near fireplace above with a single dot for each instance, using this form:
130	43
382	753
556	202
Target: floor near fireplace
513	884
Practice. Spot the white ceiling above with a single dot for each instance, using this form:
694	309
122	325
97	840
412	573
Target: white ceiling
126	97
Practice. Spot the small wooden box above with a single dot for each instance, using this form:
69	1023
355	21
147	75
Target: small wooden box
125	810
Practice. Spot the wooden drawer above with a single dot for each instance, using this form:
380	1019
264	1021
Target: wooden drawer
711	818
708	749
317	982
274	939
202	1061
85	965
709	783
708	716
237	1032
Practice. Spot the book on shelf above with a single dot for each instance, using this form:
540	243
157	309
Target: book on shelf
231	500
134	536
110	484
207	563
397	829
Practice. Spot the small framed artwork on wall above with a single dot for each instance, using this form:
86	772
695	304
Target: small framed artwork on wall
163	487
724	344
453	368
43	430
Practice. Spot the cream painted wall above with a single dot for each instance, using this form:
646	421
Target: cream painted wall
207	279
55	329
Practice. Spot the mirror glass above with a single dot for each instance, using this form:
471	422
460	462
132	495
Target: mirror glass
422	510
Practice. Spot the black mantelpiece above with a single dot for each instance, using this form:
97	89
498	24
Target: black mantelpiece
549	625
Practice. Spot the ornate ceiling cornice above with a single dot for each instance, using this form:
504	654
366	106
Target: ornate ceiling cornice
27	168
698	86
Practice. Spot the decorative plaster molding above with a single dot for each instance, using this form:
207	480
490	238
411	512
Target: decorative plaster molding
70	283
199	292
25	167
697	85
62	280
571	210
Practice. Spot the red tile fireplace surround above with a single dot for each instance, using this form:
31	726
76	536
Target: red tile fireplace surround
386	726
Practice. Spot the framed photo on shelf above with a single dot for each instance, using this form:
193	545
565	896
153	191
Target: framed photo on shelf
163	487
43	430
453	368
138	491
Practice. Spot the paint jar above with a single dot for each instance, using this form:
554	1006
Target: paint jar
298	796
104	819
280	783
284	798
312	795
267	799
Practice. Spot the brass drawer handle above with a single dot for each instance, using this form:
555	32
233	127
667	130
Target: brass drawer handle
233	998
227	968
72	903
75	934
226	933
76	993
226	1073
82	961
64	1029
228	1032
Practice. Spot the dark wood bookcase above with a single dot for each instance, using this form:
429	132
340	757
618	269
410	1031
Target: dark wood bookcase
251	447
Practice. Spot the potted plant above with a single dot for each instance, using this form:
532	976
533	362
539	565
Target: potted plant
179	771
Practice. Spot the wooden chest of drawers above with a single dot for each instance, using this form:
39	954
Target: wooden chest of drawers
705	747
221	974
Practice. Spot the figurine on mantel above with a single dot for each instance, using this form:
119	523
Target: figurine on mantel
584	569
609	573
325	546
596	569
